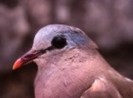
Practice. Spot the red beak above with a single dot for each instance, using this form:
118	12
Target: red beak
28	57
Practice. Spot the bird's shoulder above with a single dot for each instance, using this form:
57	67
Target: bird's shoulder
101	88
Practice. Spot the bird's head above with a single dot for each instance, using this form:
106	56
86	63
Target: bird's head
55	39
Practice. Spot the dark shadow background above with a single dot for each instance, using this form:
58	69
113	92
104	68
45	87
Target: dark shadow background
108	22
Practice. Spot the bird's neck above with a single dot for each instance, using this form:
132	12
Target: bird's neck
77	58
76	55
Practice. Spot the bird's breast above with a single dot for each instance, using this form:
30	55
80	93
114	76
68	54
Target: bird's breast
55	83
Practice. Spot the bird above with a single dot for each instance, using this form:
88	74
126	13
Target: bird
70	66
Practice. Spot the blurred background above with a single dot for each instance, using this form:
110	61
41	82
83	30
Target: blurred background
108	22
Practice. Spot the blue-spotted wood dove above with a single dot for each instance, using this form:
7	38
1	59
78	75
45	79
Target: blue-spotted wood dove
69	66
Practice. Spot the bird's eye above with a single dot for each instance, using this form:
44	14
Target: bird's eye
59	42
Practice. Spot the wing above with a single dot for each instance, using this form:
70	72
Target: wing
101	88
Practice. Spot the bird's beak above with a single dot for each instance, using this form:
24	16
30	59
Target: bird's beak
29	56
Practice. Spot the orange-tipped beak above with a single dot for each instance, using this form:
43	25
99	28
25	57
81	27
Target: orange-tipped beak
17	64
26	58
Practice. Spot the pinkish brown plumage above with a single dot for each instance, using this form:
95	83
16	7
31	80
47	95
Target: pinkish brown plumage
69	66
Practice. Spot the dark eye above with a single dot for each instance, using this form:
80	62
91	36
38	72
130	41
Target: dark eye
59	42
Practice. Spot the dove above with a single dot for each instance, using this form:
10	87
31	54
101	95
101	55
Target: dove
70	66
